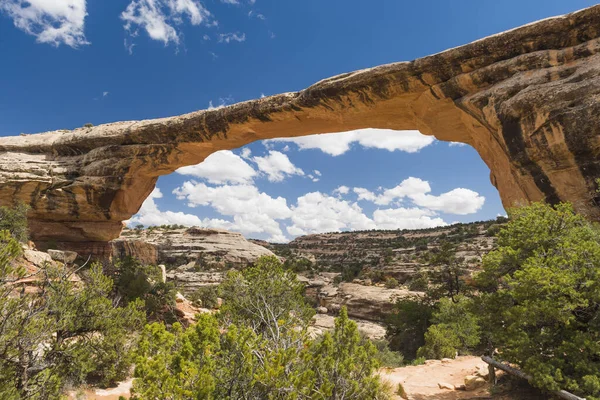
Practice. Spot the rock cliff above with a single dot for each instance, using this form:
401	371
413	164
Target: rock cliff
527	100
194	257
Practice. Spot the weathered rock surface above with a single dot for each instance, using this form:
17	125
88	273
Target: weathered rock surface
195	257
381	255
368	303
527	100
205	247
322	323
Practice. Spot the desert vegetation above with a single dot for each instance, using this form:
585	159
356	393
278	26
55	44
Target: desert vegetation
533	302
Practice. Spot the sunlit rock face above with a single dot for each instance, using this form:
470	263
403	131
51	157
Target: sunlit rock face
528	100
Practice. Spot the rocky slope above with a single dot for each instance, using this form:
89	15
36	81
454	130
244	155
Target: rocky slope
376	255
194	257
525	99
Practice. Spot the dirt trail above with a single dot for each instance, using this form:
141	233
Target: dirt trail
421	382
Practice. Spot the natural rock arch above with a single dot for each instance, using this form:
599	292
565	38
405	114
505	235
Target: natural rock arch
528	100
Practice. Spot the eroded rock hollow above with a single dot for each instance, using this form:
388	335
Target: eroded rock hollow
528	100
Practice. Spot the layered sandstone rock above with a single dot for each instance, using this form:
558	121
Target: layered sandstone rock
195	257
527	100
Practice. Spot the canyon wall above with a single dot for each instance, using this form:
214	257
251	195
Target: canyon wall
528	100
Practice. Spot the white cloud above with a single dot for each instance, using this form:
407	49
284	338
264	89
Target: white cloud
160	18
223	101
277	166
457	144
365	194
246	152
104	94
149	215
341	190
457	201
221	167
336	144
317	172
406	218
251	14
231	37
316	212
312	178
252	211
51	21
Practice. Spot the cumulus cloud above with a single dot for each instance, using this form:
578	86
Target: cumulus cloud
252	211
277	166
457	201
232	37
340	190
149	214
246	152
161	18
456	144
316	212
406	218
53	22
339	143
221	167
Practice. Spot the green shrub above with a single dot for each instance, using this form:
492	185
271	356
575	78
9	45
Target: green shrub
256	350
540	297
440	342
136	281
63	333
206	296
391	283
407	324
14	220
419	283
418	361
387	357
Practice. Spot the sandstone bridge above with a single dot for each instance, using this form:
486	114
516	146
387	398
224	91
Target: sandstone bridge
528	100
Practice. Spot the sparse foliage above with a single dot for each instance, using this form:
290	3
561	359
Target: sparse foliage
61	332
14	220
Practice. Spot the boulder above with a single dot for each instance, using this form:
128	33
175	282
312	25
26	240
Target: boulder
37	258
473	382
63	256
322	310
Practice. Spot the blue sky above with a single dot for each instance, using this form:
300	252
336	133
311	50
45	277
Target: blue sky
69	62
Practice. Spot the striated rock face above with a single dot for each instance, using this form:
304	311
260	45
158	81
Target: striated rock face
195	257
527	100
366	303
175	247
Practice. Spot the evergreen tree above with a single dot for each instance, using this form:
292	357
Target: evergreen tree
60	332
541	306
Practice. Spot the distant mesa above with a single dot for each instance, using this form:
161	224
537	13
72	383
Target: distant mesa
527	100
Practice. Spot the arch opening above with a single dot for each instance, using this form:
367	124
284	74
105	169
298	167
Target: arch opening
370	179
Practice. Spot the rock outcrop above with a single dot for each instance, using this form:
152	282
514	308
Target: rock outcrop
175	247
402	255
527	100
195	257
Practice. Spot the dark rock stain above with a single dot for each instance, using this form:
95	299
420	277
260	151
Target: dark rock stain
515	143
